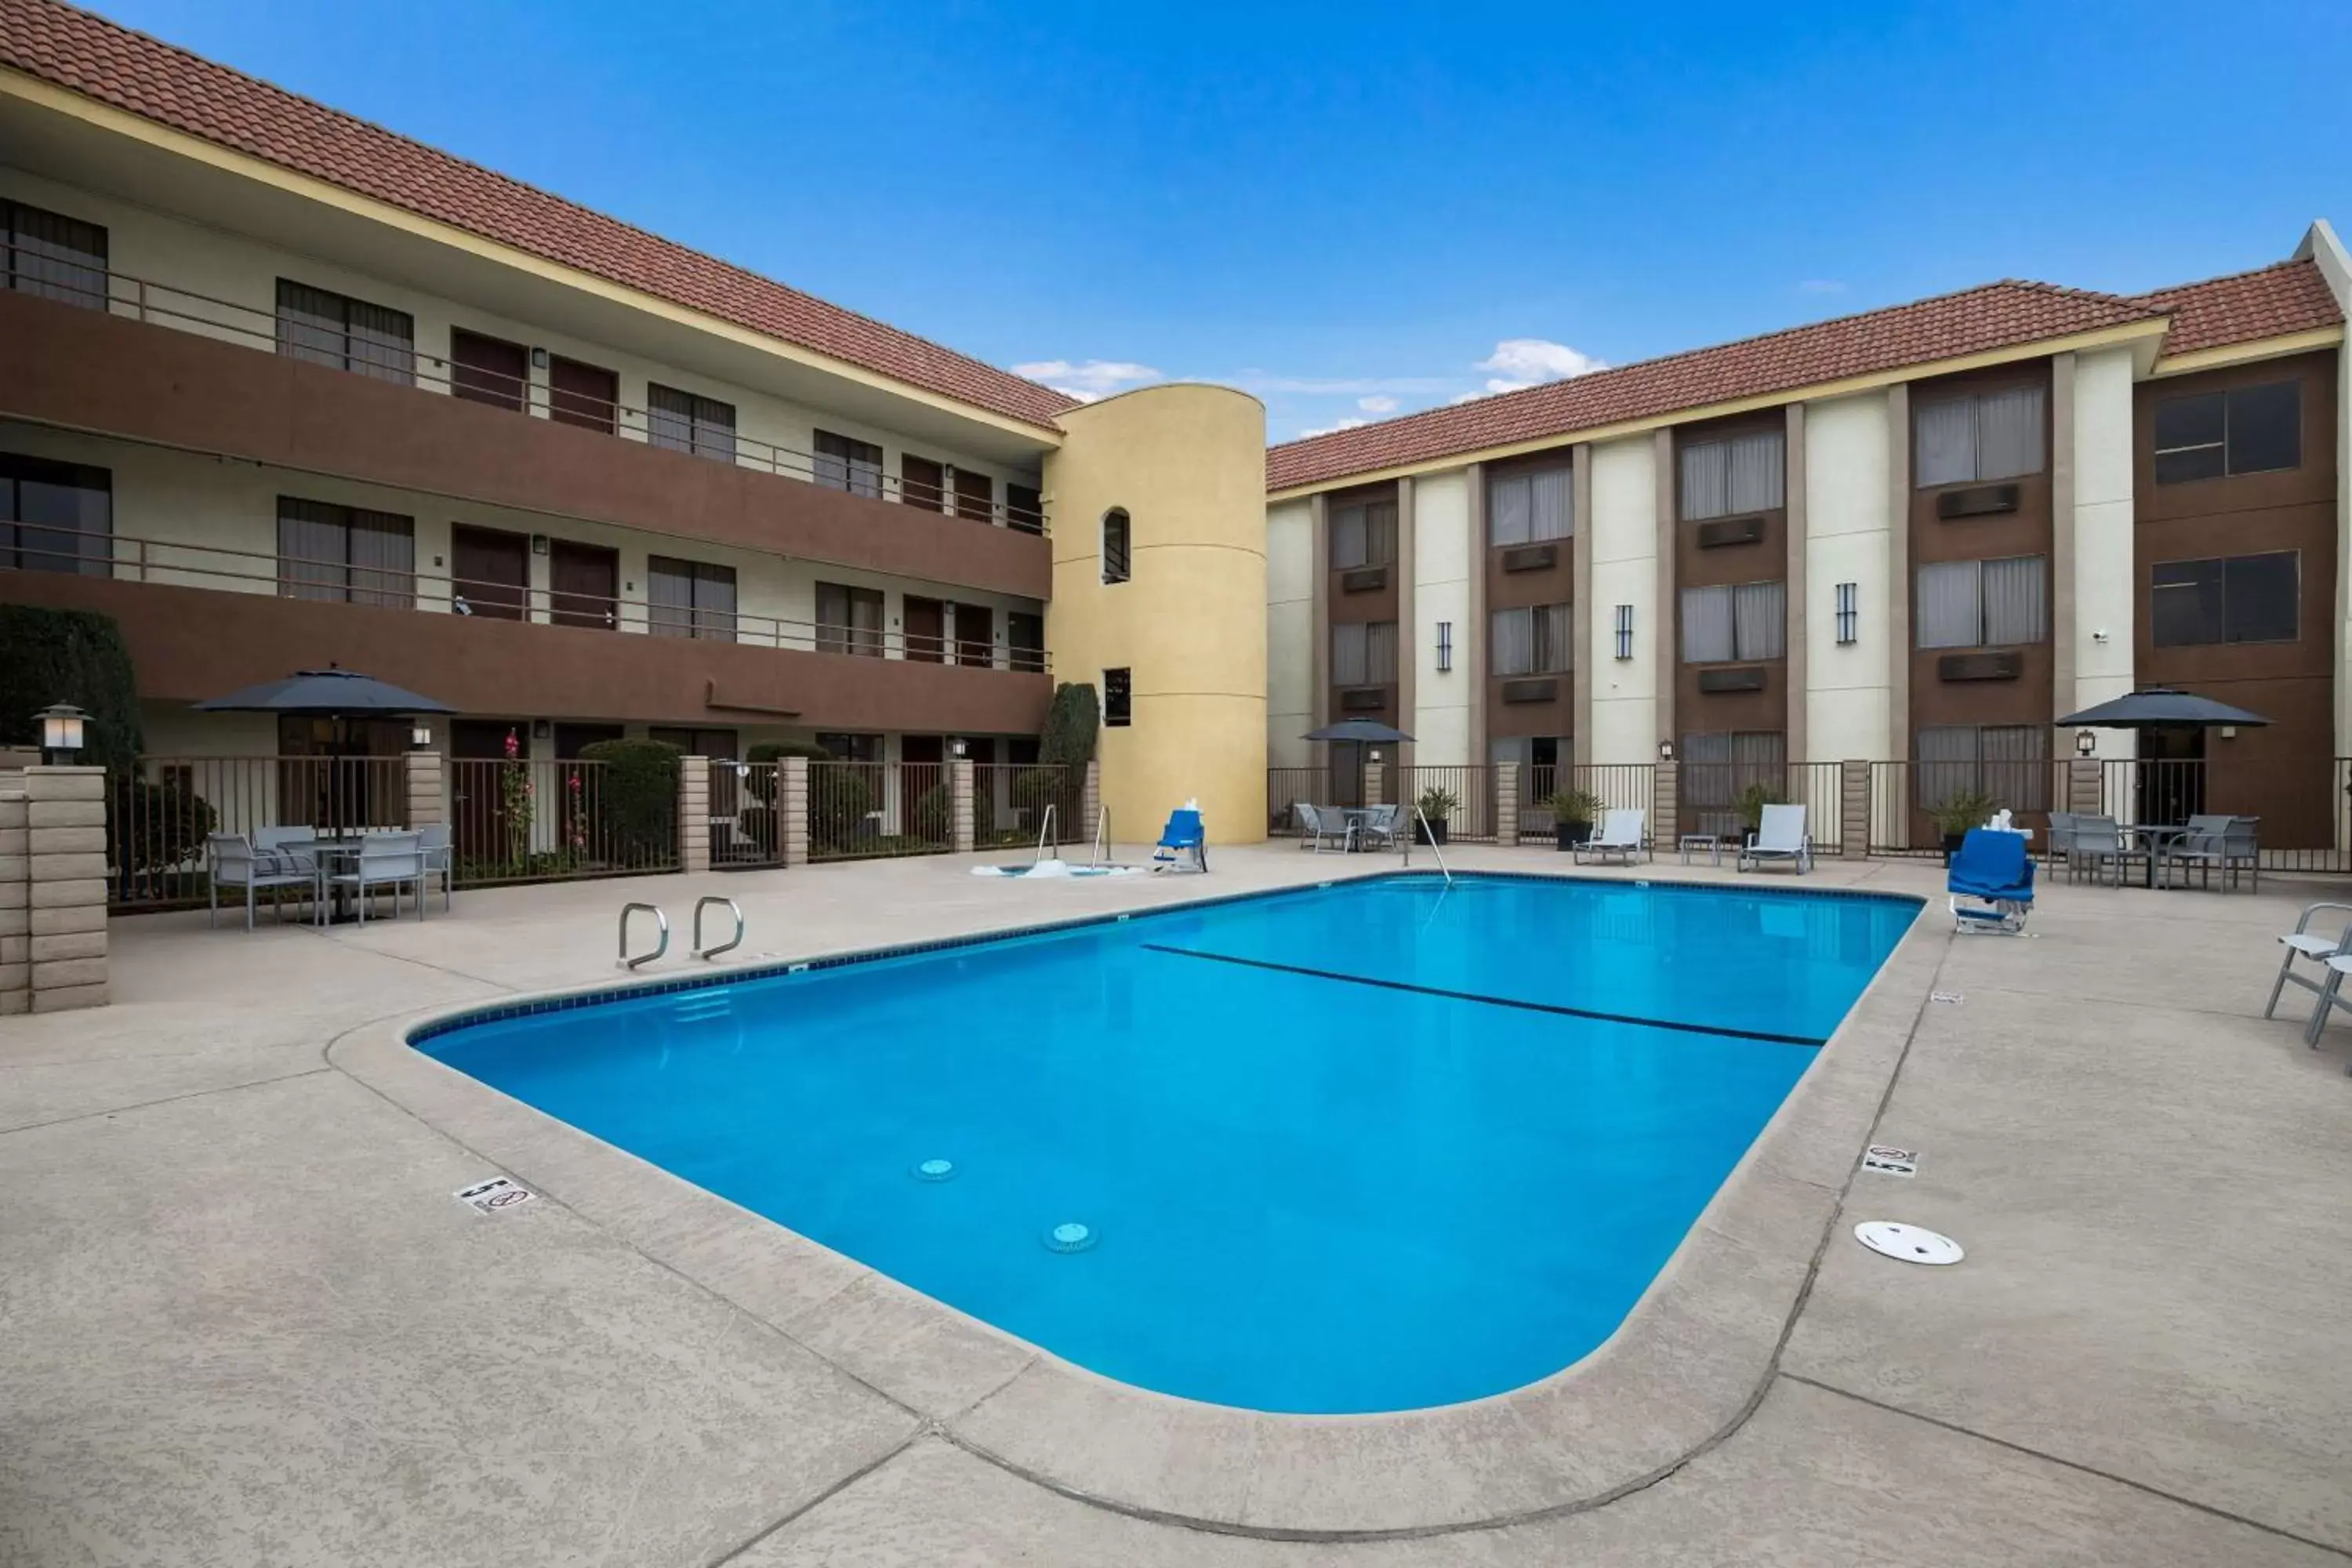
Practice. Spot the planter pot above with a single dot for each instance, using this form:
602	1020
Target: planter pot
1430	832
1952	841
1571	834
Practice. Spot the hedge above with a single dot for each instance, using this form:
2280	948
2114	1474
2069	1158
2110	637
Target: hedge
68	656
636	797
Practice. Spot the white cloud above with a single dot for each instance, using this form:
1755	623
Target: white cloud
1821	286
1518	363
1328	429
1382	405
1086	380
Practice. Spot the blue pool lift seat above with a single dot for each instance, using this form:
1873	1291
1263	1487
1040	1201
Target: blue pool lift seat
1184	843
1991	882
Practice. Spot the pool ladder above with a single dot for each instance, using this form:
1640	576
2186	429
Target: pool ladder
1100	854
1423	817
1044	826
661	930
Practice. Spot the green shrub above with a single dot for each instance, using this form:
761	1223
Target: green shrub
761	784
841	794
1752	801
932	808
68	656
1070	728
636	797
1573	806
1437	805
155	826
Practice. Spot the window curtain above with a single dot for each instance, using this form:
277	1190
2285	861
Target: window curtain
2008	432
383	342
1708	626
312	552
1760	620
1947	443
1754	465
2013	765
384	560
1705	778
1948	611
832	619
1551	505
714	602
309	324
669	422
2016	601
1707	479
1554	650
1347	656
1514	651
1381	652
669	597
1946	764
714	436
1349	539
865	622
55	257
1758	756
56	517
1510	509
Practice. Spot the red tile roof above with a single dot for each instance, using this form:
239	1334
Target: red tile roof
2269	302
145	76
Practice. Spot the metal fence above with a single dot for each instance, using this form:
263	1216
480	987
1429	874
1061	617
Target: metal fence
1286	789
1612	787
1458	801
1009	802
862	811
158	818
518	819
746	829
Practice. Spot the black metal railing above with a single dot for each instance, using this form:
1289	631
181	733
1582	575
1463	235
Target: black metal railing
1009	802
860	811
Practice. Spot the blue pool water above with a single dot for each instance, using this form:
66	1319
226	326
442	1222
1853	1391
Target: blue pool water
1370	1147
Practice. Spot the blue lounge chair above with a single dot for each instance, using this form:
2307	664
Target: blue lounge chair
1991	872
1183	844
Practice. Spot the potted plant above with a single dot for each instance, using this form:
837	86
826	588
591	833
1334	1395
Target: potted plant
1751	802
1960	812
1573	813
1431	812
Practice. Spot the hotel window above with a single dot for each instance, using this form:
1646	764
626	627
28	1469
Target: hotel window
1984	436
345	554
975	496
1731	477
1025	639
53	256
56	517
2251	430
690	599
849	620
682	422
1849	617
1716	767
1740	622
1528	507
1024	508
1117	545
1363	534
319	326
1119	699
2011	763
1984	604
922	483
1364	653
2238	598
844	463
844	748
690	742
1533	641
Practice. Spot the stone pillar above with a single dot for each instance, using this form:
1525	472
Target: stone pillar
427	797
1373	784
1507	803
65	813
1090	804
792	811
1853	810
15	899
960	806
1666	804
694	813
2084	794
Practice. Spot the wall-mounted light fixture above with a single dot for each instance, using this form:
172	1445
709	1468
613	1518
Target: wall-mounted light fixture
420	735
539	545
1665	751
2085	743
956	746
1446	647
1624	631
540	728
539	359
1848	614
2229	731
61	732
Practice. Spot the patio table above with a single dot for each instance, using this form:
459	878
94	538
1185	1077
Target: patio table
328	852
2153	838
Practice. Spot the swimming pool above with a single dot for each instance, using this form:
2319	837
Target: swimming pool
1375	1146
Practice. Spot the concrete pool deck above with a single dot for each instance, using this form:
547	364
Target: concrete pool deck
247	1323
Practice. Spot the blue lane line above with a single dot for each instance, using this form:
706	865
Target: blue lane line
1765	1036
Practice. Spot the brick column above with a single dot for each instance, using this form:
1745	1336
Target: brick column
792	811
428	789
1090	804
1507	803
1853	810
2083	795
694	813
960	806
66	840
15	899
1666	804
1373	785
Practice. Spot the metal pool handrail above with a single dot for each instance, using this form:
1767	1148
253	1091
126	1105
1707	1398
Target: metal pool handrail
1424	817
1100	855
1044	826
660	947
703	903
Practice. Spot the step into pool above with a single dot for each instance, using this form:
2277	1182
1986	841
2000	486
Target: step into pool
1375	1146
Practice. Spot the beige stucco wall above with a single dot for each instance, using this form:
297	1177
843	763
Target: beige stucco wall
1847	700
1442	561
1290	632
1188	464
2105	581
1624	526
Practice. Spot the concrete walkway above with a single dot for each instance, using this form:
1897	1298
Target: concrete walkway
243	1322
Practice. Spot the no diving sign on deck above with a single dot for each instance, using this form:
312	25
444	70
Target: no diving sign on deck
494	1196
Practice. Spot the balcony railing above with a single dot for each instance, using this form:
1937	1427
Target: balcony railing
124	558
164	304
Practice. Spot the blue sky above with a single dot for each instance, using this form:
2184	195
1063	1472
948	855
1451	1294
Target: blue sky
1354	211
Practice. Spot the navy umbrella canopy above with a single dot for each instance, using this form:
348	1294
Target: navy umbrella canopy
1370	731
2162	708
327	694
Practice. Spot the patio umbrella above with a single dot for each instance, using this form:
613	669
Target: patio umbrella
1371	732
331	693
2162	708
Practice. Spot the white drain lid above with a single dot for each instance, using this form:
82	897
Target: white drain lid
1911	1243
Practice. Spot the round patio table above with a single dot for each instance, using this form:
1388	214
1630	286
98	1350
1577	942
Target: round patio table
2153	838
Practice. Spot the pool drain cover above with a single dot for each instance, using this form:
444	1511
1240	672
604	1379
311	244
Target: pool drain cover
935	1171
1070	1237
1909	1243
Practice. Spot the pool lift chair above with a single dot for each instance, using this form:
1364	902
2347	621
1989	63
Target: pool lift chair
1991	882
1184	843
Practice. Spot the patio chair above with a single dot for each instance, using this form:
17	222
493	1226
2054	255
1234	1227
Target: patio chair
2062	832
231	861
2317	946
1380	826
2331	996
1324	822
2094	842
2206	845
1184	843
384	860
1620	834
1780	836
1991	870
440	855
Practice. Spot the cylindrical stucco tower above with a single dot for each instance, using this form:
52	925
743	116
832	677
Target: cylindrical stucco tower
1185	466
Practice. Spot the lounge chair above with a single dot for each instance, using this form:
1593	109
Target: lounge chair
2317	946
1184	843
384	860
1992	872
1780	836
1322	822
231	861
1378	828
1620	834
